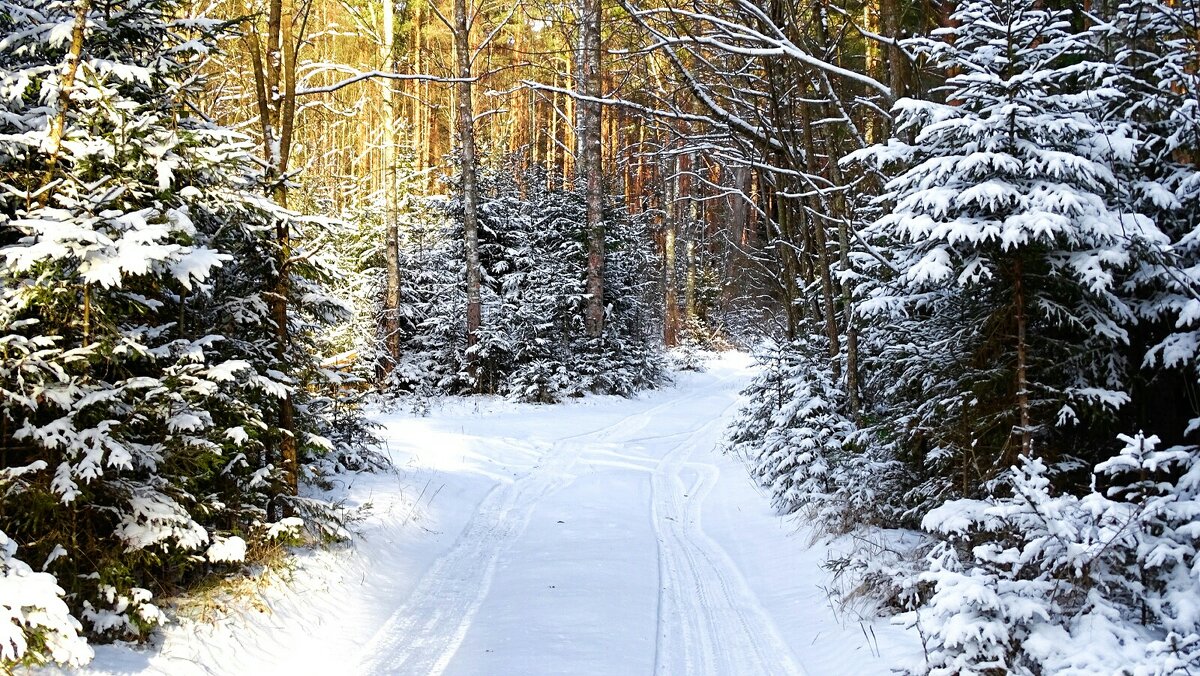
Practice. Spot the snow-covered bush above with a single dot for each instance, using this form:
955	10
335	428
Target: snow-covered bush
1031	581
35	624
799	443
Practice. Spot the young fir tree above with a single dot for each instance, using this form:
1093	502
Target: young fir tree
136	371
1007	248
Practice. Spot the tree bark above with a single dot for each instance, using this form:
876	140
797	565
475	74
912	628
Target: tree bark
820	242
275	89
1024	432
590	166
891	13
792	265
470	187
692	228
670	283
58	125
391	301
851	330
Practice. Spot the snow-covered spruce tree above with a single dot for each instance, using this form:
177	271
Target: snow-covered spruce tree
1032	581
544	297
136	372
332	434
433	303
628	356
532	345
1007	250
1143	53
1021	230
798	442
792	431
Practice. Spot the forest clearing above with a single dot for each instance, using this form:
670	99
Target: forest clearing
600	336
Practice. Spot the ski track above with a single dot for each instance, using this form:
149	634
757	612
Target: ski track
422	636
709	620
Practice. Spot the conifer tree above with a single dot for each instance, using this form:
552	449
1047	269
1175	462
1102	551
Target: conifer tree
1007	243
136	365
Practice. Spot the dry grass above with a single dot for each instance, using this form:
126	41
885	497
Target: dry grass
217	597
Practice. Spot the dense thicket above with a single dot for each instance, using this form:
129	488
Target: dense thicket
139	373
533	255
1020	278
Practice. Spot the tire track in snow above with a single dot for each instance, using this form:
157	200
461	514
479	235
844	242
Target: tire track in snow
423	634
709	620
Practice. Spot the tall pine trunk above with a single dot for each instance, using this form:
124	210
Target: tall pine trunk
590	166
275	88
391	302
670	282
470	186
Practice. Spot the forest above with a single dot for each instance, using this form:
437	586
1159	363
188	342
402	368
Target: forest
961	239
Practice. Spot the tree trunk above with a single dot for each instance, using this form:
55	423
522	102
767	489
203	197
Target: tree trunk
590	166
275	89
391	301
874	61
692	228
670	283
791	264
817	223
470	187
891	13
851	330
1024	432
827	296
689	289
851	327
58	125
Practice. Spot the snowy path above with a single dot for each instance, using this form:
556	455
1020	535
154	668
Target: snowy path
708	621
605	536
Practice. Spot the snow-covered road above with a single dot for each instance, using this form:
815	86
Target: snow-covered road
605	536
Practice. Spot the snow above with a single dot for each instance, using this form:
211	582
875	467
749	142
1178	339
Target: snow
600	536
32	602
232	548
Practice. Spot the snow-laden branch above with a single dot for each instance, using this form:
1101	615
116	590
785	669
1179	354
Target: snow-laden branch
382	75
607	101
767	45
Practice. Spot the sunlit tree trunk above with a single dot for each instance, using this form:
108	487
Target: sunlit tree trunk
590	164
391	305
670	283
58	124
273	59
470	188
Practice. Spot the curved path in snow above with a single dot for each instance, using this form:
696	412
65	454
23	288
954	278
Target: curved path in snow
600	537
704	616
